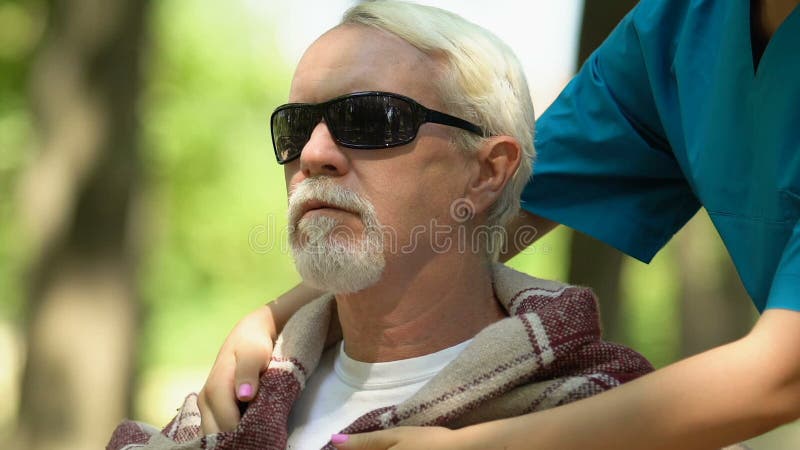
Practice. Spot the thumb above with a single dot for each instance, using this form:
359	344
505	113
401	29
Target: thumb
376	440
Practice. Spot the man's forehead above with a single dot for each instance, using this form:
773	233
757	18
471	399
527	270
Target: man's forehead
356	58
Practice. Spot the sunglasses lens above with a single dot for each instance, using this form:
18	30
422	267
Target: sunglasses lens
291	130
372	121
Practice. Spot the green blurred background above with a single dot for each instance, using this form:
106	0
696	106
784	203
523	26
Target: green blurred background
141	209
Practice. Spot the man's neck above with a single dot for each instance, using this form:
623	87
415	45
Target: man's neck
419	308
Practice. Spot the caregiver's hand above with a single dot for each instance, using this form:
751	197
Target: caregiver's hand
406	438
244	355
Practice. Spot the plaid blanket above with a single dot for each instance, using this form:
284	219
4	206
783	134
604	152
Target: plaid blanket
547	353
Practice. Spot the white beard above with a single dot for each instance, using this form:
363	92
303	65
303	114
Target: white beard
328	255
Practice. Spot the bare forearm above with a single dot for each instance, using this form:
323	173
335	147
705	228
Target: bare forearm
523	231
717	398
286	305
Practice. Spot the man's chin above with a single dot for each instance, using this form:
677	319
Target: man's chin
319	244
324	230
339	275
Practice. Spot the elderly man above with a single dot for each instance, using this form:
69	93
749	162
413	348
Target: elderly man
407	139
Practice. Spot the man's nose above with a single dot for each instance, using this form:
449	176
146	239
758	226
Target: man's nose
321	155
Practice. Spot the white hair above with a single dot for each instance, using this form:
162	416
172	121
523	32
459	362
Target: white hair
483	81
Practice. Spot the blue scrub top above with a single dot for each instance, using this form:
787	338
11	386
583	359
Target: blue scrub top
668	115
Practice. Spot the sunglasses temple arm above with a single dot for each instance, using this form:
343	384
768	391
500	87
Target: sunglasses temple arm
447	119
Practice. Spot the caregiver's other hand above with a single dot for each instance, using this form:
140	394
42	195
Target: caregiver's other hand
405	438
242	358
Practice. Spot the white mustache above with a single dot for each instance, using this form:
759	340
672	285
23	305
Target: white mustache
324	189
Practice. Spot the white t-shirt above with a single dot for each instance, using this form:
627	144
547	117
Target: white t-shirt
342	389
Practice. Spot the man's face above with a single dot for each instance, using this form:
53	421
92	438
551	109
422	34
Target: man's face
406	187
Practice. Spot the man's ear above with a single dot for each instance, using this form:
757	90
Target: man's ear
497	161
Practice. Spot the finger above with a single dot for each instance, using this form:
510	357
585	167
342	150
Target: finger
377	440
252	358
208	423
215	400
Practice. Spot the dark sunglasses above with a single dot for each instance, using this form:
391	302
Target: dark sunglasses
361	120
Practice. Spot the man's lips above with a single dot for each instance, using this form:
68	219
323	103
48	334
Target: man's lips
315	205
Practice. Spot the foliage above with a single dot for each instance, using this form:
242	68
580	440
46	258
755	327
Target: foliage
210	177
21	26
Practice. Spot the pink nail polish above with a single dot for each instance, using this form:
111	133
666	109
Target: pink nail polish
245	390
339	438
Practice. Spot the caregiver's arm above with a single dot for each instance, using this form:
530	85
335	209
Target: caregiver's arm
523	231
248	348
720	397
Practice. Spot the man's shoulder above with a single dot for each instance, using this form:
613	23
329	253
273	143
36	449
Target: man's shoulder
520	292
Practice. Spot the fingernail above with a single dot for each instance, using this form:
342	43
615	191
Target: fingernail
339	438
245	390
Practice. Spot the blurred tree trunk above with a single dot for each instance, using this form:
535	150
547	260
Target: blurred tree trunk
715	307
593	263
599	266
78	197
